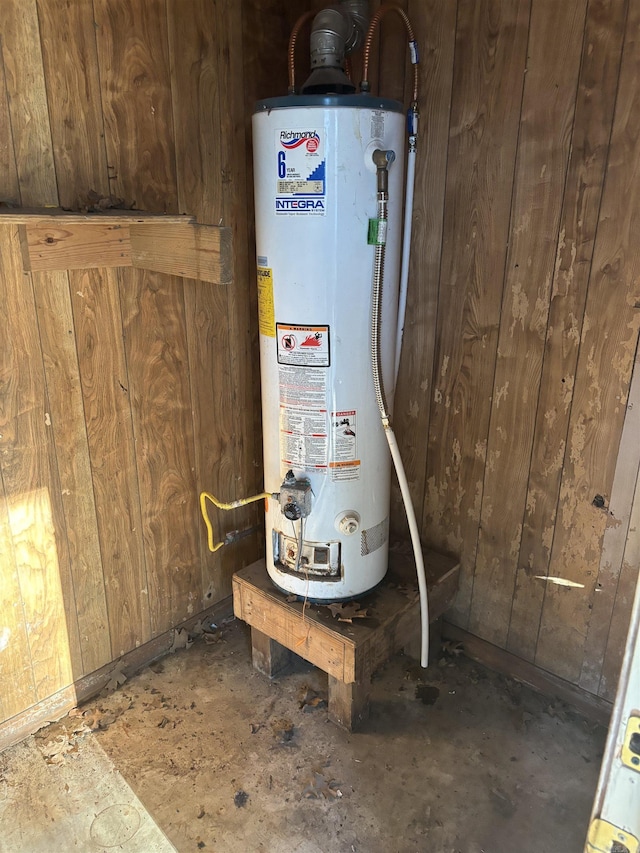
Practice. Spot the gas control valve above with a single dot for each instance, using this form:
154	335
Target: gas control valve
295	497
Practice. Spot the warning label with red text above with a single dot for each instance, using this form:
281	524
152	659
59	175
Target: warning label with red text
303	346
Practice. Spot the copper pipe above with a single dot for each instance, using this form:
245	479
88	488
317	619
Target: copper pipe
299	24
382	11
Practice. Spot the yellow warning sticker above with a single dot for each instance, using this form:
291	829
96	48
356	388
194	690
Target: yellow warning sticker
266	311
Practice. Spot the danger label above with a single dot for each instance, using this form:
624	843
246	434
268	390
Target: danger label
344	462
303	346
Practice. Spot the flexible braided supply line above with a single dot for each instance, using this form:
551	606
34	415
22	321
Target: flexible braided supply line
293	38
382	11
376	302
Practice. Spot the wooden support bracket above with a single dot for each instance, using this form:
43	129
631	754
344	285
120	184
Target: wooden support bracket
52	239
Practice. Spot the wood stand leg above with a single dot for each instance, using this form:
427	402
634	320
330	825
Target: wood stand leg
268	657
349	703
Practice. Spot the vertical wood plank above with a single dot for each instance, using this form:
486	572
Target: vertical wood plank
28	102
133	61
266	25
27	457
614	539
490	60
393	57
621	615
55	321
542	157
609	340
435	27
595	100
198	105
9	188
198	101
67	34
156	350
105	387
16	676
210	381
242	297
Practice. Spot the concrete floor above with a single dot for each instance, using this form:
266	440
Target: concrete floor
453	760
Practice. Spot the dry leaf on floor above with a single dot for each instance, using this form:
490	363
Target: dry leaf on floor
319	787
206	627
451	647
55	750
309	699
181	640
348	612
99	719
212	637
116	679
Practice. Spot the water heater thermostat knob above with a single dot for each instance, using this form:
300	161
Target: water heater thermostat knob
348	522
291	511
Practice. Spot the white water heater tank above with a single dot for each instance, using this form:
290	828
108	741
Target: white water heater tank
325	451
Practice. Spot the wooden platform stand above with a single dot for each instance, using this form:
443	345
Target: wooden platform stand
348	653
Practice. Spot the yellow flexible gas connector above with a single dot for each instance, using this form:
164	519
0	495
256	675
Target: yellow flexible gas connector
204	496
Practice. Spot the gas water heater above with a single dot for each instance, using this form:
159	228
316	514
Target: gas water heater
333	260
325	452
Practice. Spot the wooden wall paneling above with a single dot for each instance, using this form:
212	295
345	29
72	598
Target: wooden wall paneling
156	350
435	27
27	457
266	25
57	336
28	102
242	297
621	615
197	107
197	102
68	38
95	302
609	340
9	187
490	59
614	539
16	675
393	57
541	164
210	380
133	58
595	101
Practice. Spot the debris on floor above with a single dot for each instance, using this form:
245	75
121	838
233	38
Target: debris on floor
453	759
282	730
347	612
321	787
240	799
310	700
